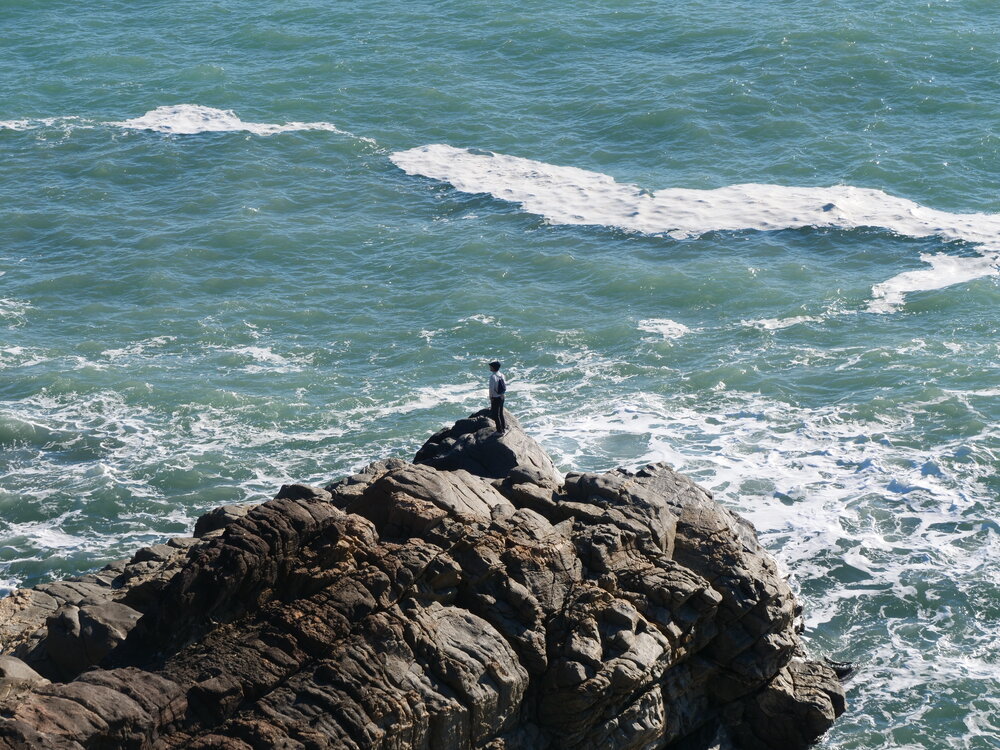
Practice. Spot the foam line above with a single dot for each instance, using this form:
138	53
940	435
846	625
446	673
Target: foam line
190	119
568	195
182	119
67	123
668	329
945	270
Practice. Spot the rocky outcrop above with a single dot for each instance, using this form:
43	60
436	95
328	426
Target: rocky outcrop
473	444
474	598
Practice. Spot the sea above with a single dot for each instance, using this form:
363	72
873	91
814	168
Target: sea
245	244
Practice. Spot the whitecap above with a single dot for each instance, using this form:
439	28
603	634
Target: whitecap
467	395
569	195
14	310
486	320
182	119
191	119
261	354
434	396
138	349
265	359
776	324
944	271
66	123
668	329
19	356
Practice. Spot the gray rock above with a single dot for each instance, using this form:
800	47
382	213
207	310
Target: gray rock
474	445
413	494
17	678
22	615
182	542
158	553
625	501
219	518
301	492
81	637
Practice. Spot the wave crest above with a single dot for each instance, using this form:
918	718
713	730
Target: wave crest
190	119
569	195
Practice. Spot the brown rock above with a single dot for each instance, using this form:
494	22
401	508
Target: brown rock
470	600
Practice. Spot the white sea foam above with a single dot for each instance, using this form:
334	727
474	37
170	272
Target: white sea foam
13	311
65	123
486	320
568	195
265	359
182	119
460	393
823	497
776	324
668	329
139	348
190	119
944	271
20	356
261	354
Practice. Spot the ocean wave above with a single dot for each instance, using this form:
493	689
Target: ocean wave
256	359
668	329
181	119
14	311
137	349
776	324
34	123
569	195
21	356
944	271
191	119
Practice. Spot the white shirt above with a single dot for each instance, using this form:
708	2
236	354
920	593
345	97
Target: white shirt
495	377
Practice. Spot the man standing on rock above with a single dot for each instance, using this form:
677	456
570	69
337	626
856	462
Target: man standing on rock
498	387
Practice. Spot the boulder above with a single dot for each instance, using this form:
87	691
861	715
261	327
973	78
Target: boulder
473	444
81	637
16	678
219	518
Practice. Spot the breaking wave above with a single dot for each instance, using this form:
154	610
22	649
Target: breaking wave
180	119
569	195
190	119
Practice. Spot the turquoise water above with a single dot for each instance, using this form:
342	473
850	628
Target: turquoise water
228	263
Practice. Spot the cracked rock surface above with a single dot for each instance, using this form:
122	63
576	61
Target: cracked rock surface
473	598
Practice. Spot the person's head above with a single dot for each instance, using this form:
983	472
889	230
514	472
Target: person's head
495	366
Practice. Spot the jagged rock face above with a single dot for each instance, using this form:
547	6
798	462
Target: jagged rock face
439	604
474	445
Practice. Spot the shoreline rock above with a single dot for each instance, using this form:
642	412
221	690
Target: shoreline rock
474	598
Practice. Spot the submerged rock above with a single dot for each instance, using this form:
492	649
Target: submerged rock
471	599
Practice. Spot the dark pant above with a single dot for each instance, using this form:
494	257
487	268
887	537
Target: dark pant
496	411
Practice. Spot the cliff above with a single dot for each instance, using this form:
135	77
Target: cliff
474	598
